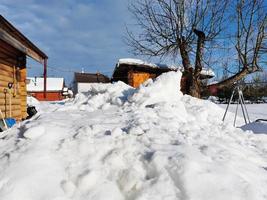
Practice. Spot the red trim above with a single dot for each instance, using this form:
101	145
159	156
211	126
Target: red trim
50	96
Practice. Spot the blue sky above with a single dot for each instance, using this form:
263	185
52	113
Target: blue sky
75	34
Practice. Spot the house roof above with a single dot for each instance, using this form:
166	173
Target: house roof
36	84
207	73
90	78
15	38
126	64
133	61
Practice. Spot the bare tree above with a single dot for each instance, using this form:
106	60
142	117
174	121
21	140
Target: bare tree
250	27
182	27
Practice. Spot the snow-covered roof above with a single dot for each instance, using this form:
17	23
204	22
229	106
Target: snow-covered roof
207	72
131	61
36	84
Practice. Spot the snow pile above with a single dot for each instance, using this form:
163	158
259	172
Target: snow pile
149	143
101	96
166	88
31	101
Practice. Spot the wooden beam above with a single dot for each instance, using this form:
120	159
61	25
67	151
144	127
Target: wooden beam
18	45
45	77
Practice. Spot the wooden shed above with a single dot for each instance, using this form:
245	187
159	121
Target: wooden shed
134	72
14	47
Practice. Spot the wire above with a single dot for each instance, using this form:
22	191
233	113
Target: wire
60	69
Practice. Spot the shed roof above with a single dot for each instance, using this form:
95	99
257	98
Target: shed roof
15	38
36	84
126	64
129	64
90	78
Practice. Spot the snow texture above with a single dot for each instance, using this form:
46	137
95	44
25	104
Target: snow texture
117	142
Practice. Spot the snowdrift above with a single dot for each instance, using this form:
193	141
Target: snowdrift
31	101
116	142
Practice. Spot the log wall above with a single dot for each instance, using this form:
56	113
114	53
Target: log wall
135	79
13	102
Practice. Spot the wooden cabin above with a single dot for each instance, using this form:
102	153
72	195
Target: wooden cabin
134	72
14	48
82	81
54	88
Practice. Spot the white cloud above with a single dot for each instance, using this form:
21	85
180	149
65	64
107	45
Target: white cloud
72	33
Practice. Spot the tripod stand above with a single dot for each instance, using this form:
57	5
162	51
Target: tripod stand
240	101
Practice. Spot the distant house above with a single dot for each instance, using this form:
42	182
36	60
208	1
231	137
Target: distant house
14	49
134	72
83	80
55	88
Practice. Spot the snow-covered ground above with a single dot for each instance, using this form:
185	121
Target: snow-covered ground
255	112
116	142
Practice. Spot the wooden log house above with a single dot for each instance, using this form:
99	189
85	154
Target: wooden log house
134	72
14	47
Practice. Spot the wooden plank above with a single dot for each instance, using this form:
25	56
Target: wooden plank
23	72
4	87
5	73
9	50
139	78
13	101
13	107
15	113
18	45
7	56
3	103
6	79
3	84
5	67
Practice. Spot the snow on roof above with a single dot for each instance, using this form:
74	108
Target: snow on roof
36	84
207	72
132	61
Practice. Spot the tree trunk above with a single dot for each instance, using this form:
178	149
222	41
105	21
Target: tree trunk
183	46
231	80
188	72
195	89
